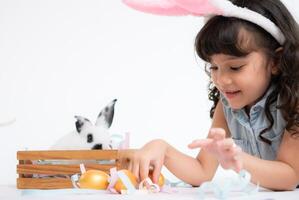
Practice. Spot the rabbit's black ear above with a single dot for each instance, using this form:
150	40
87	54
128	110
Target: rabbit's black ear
81	123
105	117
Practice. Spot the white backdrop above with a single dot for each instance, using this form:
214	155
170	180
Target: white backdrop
60	58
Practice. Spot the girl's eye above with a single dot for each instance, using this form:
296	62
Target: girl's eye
213	68
236	68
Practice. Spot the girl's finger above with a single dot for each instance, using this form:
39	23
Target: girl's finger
130	166
226	144
217	133
238	151
237	159
238	165
157	171
200	143
144	169
135	168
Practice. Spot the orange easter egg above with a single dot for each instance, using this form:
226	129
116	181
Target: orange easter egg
161	179
119	184
94	179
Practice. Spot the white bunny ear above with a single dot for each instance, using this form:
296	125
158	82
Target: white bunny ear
105	117
82	123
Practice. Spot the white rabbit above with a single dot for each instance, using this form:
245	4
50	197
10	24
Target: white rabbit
89	136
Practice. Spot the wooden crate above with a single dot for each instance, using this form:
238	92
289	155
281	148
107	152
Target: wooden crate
34	175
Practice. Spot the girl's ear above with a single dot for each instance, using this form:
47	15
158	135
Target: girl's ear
275	69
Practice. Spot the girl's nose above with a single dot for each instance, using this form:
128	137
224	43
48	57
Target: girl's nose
223	79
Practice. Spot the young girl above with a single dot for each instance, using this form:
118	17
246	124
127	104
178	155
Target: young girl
254	71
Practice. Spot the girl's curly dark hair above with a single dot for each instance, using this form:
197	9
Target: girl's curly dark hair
221	35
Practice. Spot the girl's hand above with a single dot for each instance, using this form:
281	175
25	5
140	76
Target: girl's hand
149	157
226	151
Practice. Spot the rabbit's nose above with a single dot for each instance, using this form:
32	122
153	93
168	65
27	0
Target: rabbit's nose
97	146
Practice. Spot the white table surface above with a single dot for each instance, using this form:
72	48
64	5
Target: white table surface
9	192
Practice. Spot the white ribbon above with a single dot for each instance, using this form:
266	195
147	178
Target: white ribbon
242	184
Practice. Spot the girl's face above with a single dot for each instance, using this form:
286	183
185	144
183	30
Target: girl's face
242	80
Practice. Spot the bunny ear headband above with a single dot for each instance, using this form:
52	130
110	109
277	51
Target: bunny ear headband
206	8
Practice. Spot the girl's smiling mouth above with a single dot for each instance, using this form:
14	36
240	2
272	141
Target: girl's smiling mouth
231	94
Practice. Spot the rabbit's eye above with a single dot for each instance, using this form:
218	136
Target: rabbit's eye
89	138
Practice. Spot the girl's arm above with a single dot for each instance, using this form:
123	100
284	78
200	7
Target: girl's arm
281	174
191	170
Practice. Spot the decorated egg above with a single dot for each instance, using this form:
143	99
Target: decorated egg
119	185
94	179
161	179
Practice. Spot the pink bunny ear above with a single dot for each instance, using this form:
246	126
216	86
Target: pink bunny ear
198	7
174	7
159	7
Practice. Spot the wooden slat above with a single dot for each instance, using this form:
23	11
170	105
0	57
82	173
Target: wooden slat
59	169
43	183
68	155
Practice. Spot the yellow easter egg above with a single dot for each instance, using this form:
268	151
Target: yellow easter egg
119	184
161	179
94	179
